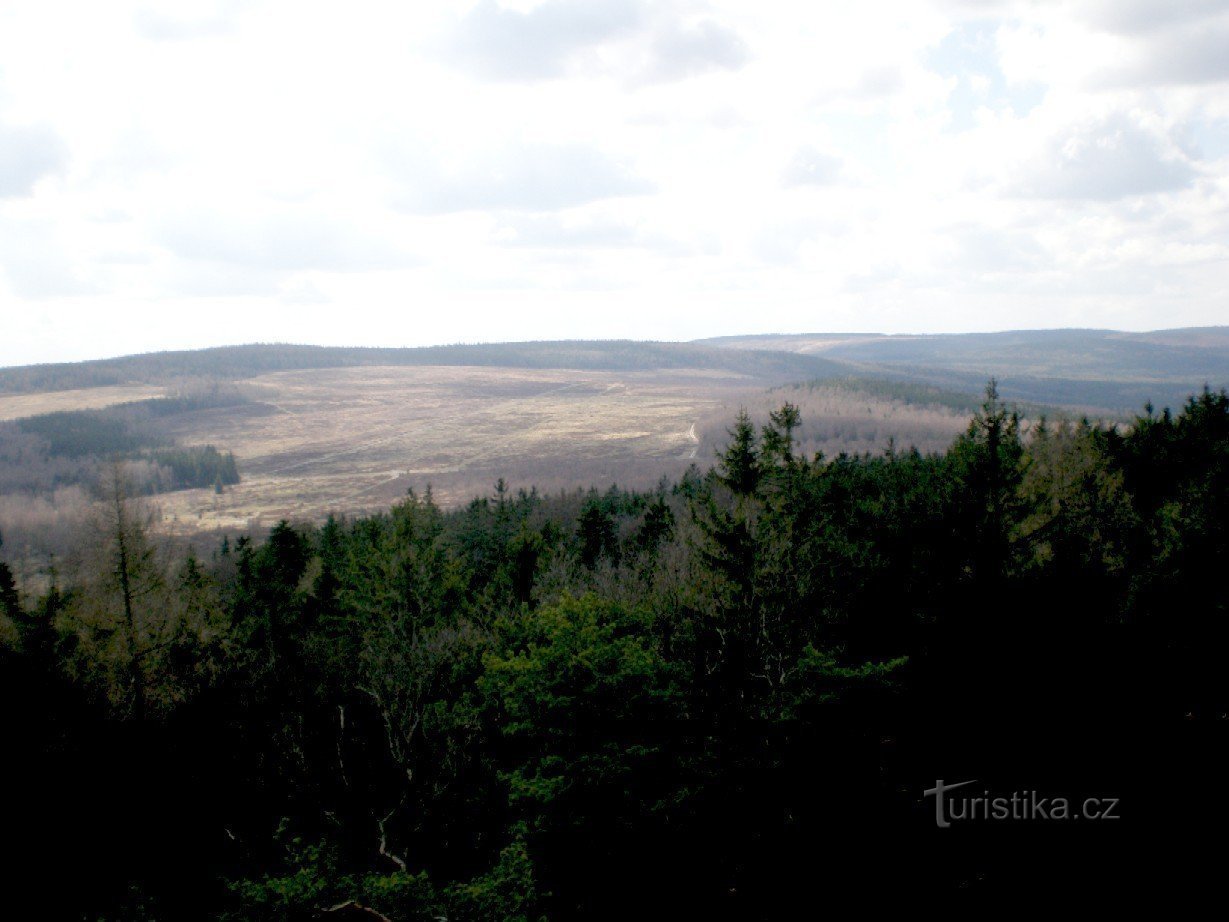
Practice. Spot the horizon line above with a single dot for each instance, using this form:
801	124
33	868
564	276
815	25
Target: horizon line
697	341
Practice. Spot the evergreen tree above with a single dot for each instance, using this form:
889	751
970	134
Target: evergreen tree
987	461
597	535
738	465
10	604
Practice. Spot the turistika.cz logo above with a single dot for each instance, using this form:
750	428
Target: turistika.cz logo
1019	805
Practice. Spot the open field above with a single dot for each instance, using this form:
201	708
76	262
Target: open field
318	430
15	406
349	439
355	437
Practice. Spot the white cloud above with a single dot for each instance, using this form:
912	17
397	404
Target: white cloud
27	154
190	19
555	231
1134	17
811	167
1192	54
1107	159
38	262
536	177
440	171
535	44
288	239
985	249
680	51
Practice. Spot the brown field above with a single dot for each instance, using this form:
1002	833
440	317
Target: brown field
86	398
354	439
842	419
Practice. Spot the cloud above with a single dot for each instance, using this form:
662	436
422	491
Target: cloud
27	154
38	262
546	41
280	242
584	233
189	20
870	85
1133	17
686	149
811	167
970	56
302	291
41	275
1105	160
983	249
679	52
218	280
553	232
880	81
1189	55
536	45
540	177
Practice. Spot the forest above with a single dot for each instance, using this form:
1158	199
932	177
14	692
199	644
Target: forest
1097	370
724	697
228	363
50	451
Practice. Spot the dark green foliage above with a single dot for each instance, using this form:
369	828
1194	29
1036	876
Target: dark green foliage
10	605
198	466
74	433
57	449
597	534
739	464
986	462
656	528
717	700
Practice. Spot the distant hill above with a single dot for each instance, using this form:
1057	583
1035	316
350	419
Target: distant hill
1096	369
1102	371
239	437
238	362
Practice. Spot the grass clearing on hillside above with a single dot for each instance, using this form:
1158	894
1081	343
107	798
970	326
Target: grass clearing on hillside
19	406
351	439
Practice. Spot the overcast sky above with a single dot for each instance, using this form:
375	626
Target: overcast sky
215	171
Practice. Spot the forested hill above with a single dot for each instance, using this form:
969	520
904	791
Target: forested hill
237	362
1092	368
1095	370
727	698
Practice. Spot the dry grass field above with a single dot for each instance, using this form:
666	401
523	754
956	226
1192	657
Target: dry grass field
15	406
838	417
353	439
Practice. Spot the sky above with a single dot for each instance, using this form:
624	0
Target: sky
178	175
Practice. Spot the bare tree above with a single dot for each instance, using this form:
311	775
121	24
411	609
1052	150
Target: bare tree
121	614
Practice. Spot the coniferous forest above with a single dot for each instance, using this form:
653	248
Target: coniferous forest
723	698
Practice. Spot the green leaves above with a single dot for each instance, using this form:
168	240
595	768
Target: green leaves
577	689
821	678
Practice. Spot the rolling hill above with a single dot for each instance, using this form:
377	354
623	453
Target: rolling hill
318	429
1096	370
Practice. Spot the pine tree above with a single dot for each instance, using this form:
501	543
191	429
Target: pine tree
987	459
10	604
778	435
597	534
738	465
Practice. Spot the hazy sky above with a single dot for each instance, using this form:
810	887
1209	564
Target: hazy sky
194	173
